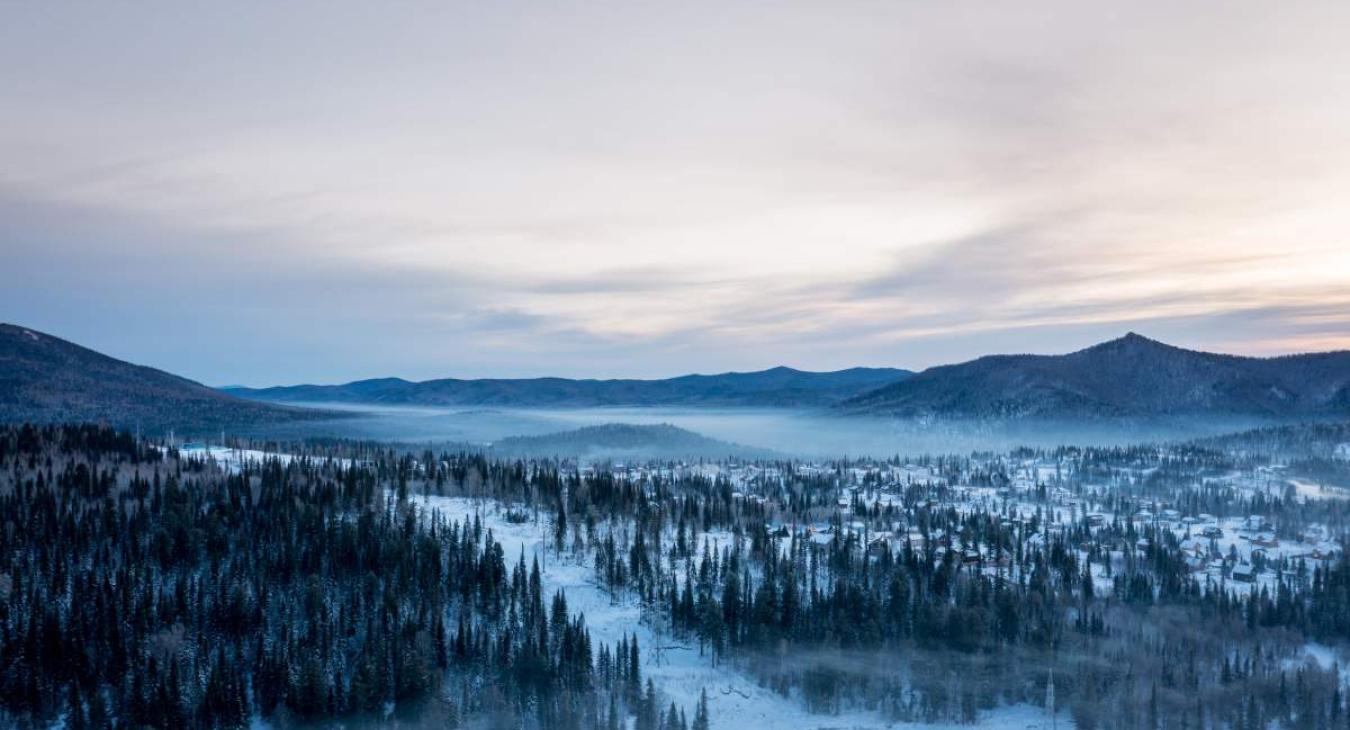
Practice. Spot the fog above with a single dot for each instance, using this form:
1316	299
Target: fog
801	433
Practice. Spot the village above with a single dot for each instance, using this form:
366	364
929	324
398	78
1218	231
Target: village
1038	501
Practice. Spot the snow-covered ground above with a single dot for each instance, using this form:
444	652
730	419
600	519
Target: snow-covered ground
233	460
734	699
1310	490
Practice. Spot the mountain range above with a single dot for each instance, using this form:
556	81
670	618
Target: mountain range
776	387
45	379
1129	376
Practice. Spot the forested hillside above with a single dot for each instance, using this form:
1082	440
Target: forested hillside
773	388
140	589
1129	376
1177	587
45	379
624	441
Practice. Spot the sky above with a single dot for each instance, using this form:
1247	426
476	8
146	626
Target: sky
262	193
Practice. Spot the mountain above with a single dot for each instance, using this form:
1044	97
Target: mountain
778	387
623	440
1129	376
44	379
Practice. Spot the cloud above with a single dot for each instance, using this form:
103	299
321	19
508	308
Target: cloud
328	192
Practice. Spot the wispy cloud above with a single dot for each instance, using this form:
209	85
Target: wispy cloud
614	190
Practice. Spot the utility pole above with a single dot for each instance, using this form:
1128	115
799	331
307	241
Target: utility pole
1050	698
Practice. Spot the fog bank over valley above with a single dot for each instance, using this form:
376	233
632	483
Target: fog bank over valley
791	432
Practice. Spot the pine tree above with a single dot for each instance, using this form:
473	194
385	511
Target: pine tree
701	721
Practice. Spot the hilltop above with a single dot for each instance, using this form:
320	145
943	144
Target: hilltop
1129	376
45	379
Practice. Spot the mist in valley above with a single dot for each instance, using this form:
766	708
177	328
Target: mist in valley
799	433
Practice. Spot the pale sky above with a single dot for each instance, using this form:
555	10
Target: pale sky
261	193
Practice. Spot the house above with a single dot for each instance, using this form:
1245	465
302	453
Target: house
1244	573
1322	553
879	544
1194	548
1004	558
1315	534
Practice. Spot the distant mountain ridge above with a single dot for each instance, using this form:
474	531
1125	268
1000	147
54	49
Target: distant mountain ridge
1129	376
776	387
45	379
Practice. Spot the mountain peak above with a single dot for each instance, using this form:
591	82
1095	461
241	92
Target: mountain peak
1130	341
1128	376
1134	338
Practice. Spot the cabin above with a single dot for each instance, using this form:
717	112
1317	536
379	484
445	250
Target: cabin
1194	548
1244	573
879	544
1323	553
1005	558
1315	534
